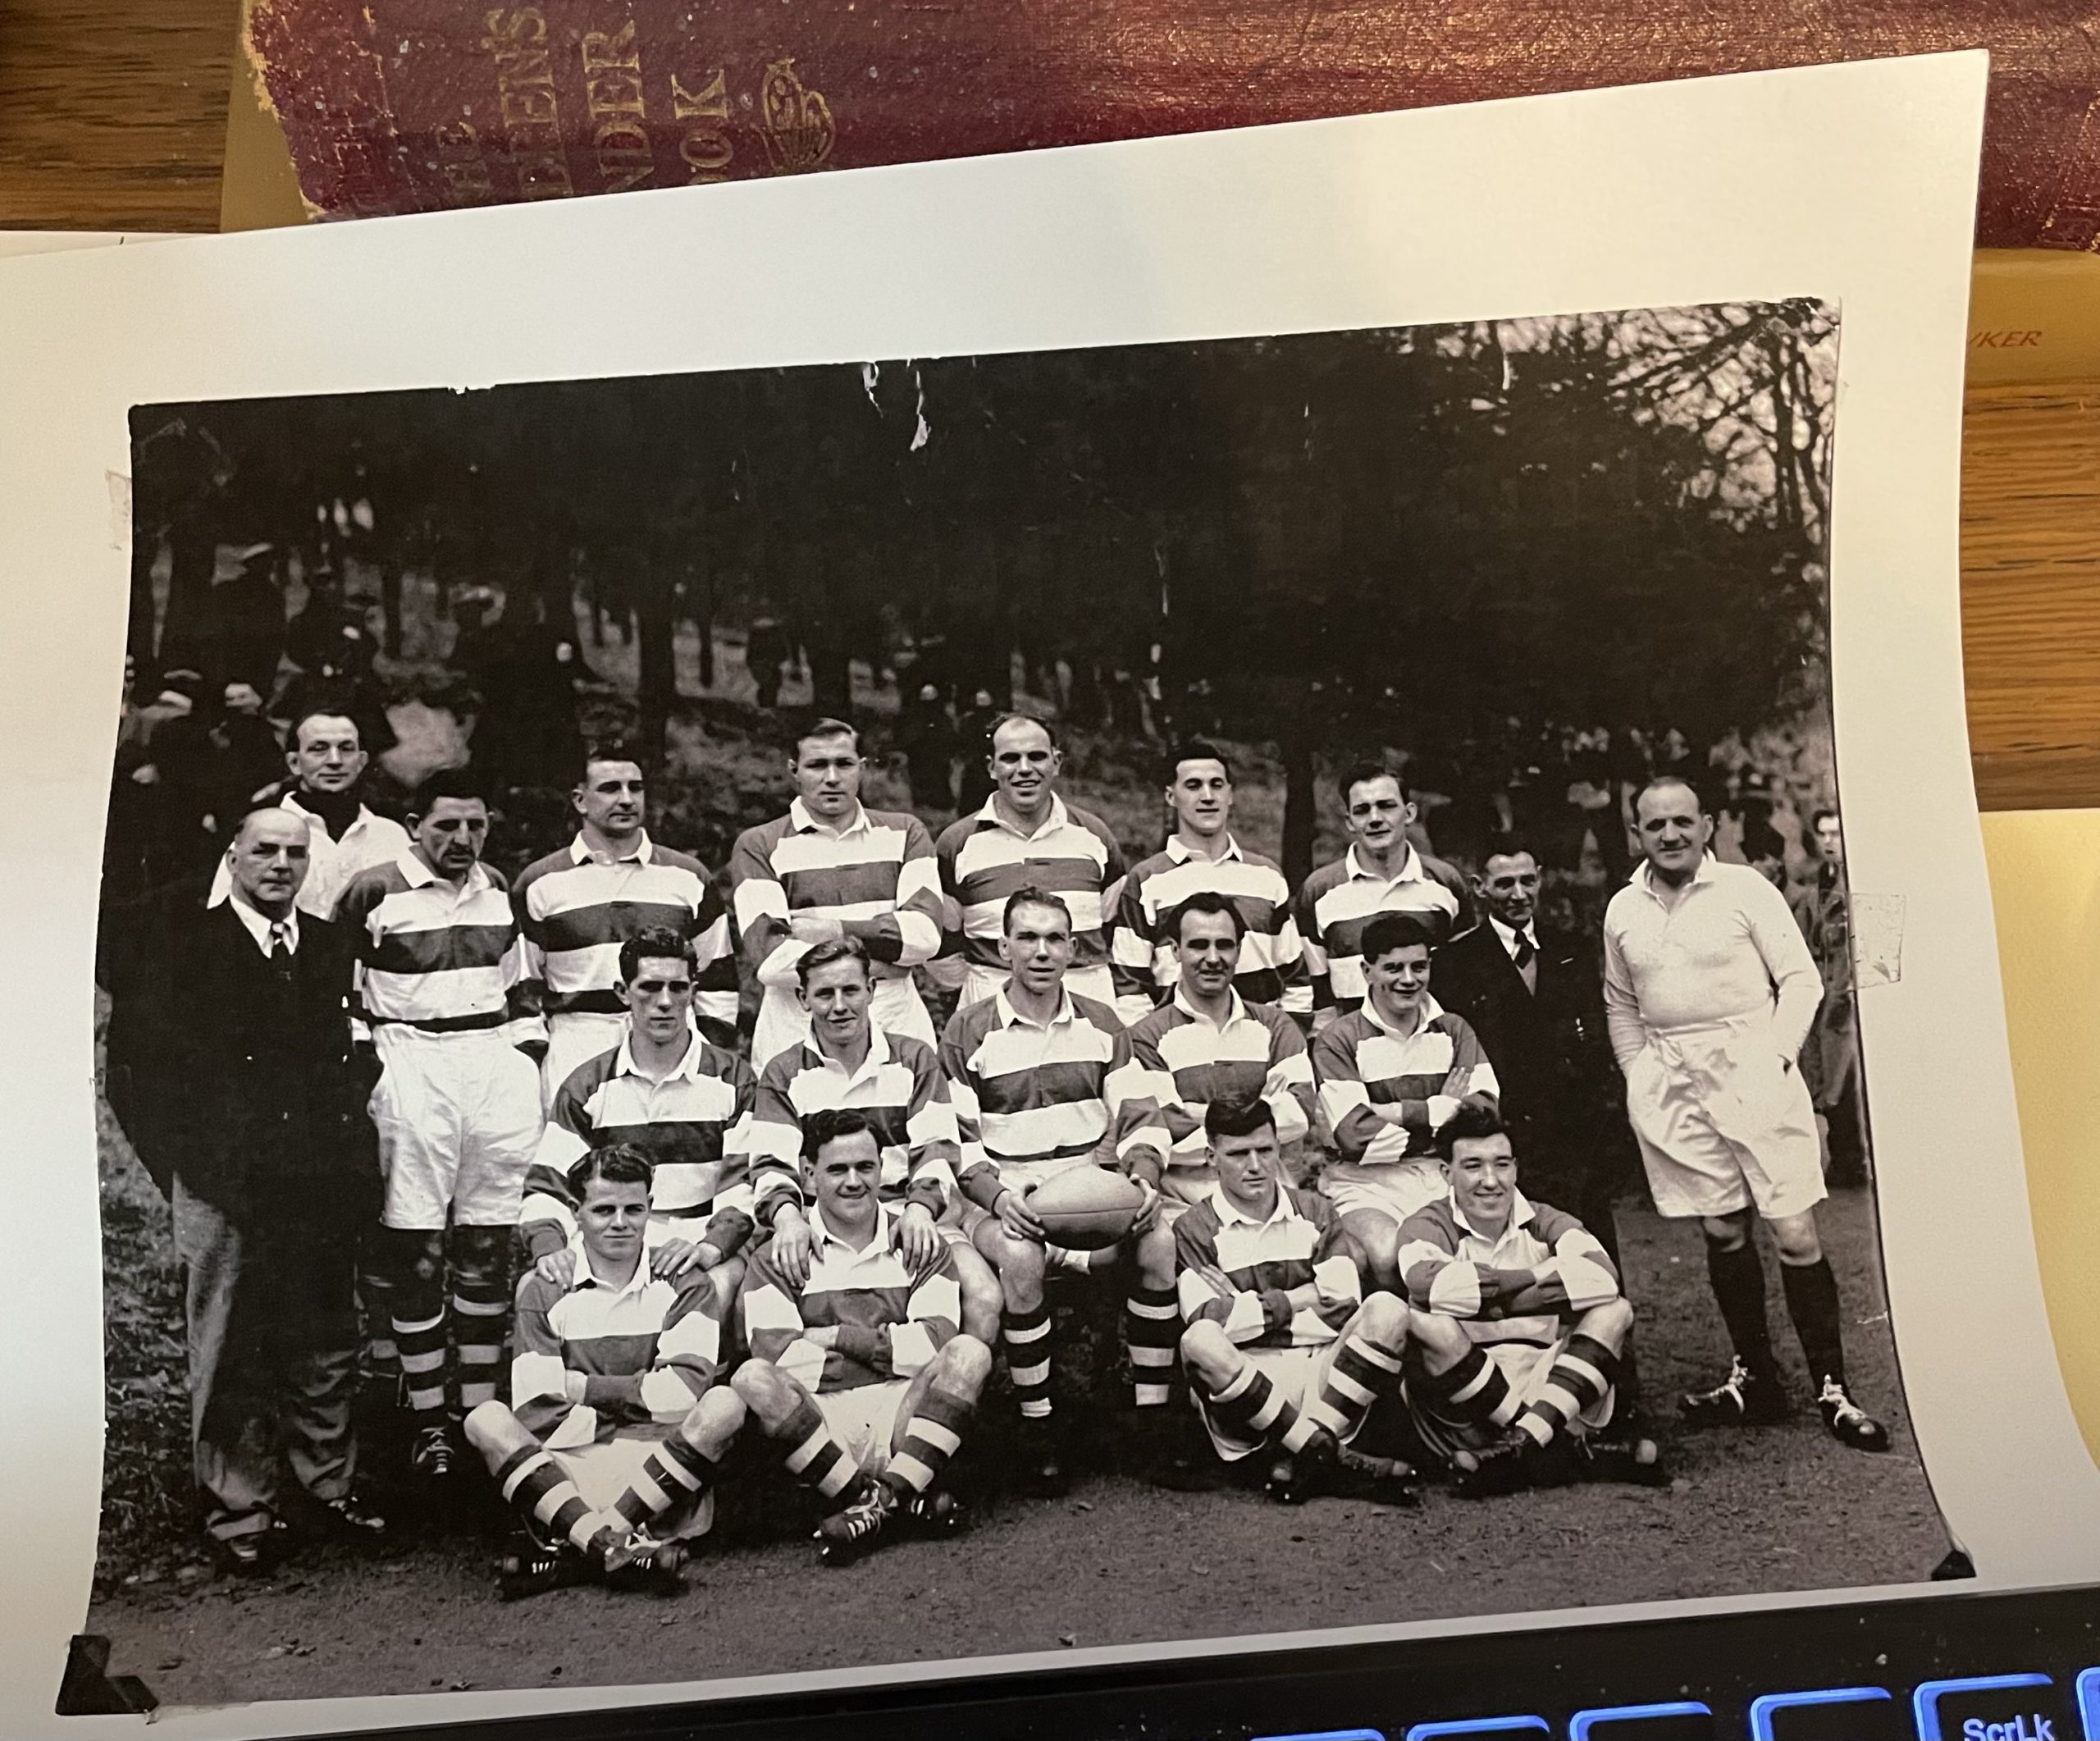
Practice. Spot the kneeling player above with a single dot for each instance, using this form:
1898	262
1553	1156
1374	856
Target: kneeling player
859	1374
610	1443
1517	1327
1282	1352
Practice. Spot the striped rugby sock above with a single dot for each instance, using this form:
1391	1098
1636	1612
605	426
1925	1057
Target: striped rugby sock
1362	1370
479	1305
421	1342
1152	1322
1027	1337
1249	1408
1581	1374
675	1473
814	1456
1474	1390
931	1437
532	1481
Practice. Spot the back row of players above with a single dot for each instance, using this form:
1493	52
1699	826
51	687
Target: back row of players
1320	1224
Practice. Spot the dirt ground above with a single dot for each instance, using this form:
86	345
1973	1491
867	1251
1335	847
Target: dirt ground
1768	1510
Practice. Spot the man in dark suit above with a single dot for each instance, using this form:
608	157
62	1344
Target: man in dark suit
1536	1001
231	1066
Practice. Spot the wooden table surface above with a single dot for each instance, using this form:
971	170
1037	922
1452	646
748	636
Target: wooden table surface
113	115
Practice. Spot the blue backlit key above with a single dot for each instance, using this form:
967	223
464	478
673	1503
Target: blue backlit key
1990	1707
1680	1720
1453	1731
1827	1714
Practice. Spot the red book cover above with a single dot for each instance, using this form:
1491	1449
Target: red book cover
416	105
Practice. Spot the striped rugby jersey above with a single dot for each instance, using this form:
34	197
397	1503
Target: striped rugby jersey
1361	1062
982	861
445	957
643	1353
1181	1061
1271	954
1025	1092
877	876
577	909
891	1321
1338	900
1449	1267
898	1085
695	1124
1238	1271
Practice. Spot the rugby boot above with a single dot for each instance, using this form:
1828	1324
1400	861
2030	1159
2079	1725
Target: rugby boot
1307	1473
533	1567
1847	1422
1744	1398
1035	1447
938	1513
1515	1464
432	1456
351	1517
640	1562
1163	1448
1623	1456
856	1526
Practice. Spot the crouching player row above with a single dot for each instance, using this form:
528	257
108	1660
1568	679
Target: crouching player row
611	1447
1504	1352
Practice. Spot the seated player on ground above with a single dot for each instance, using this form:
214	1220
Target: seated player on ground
1283	1355
684	1102
1518	1323
859	1374
610	1442
844	1060
1393	1072
1030	1071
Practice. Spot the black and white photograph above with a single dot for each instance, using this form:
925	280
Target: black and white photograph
824	1017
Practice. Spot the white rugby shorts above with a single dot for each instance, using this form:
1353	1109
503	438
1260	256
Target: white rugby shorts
1526	1368
602	1473
459	1121
1296	1374
1392	1188
864	1419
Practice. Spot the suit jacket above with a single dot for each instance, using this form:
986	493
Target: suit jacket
1551	1055
237	1078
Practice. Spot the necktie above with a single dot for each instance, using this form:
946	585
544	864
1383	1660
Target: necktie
1525	953
281	946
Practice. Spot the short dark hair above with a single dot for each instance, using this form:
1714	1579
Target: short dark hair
1473	1119
1391	931
1698	798
1370	768
831	1123
1029	895
1195	749
1206	901
617	1163
327	707
829	954
462	782
655	942
1508	846
1003	721
1238	1118
606	749
1815	817
827	727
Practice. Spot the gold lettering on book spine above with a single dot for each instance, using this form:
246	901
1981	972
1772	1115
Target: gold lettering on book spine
517	39
795	121
612	89
706	148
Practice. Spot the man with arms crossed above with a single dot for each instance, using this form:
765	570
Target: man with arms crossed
577	906
1709	991
895	1082
1201	856
1282	1354
1518	1328
830	868
612	1438
858	1373
1031	1071
684	1103
1381	873
1026	836
439	965
1392	1073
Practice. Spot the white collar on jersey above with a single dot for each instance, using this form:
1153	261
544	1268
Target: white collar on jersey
580	852
800	819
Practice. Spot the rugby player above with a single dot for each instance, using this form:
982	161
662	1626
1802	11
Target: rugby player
578	905
439	991
1029	1071
1381	873
1026	836
859	1372
830	868
895	1081
1392	1073
1207	1044
1710	991
684	1102
1201	855
612	1438
1284	1354
1518	1324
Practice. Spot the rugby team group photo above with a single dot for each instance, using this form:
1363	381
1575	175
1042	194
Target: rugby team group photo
542	1154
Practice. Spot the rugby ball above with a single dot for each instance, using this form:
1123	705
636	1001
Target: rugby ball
1087	1207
